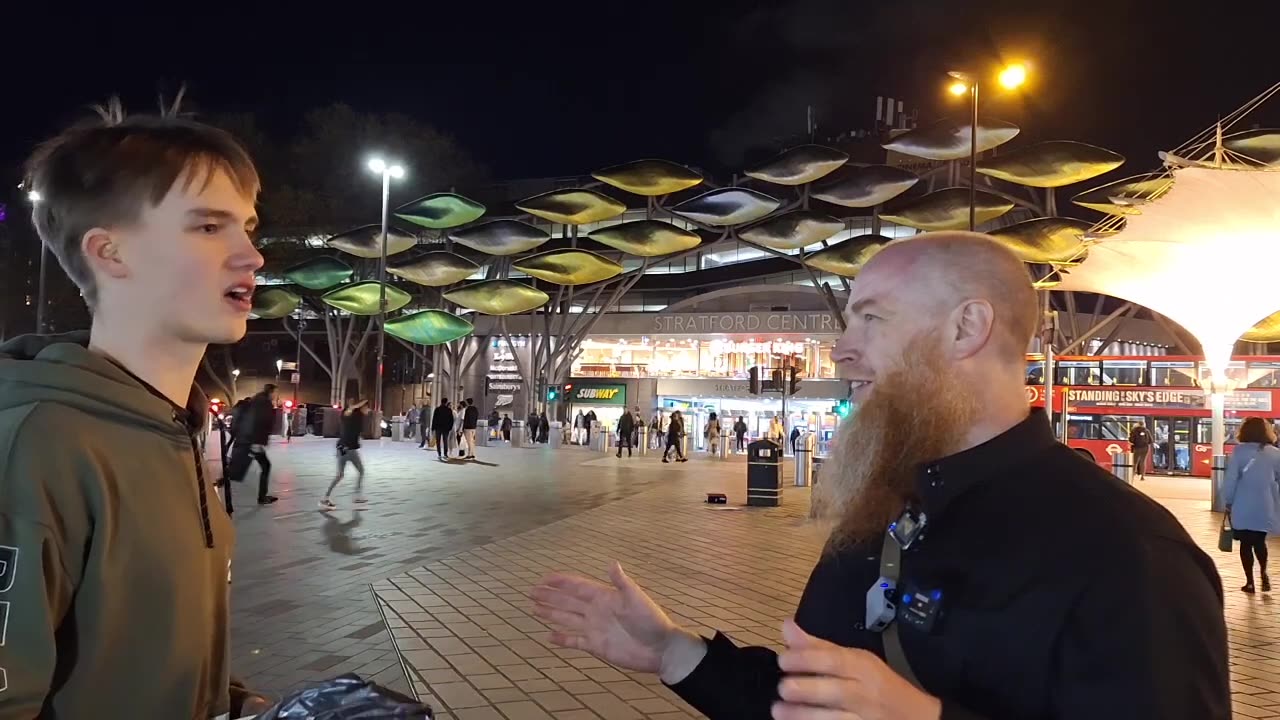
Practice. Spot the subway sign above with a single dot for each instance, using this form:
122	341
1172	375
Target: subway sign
596	393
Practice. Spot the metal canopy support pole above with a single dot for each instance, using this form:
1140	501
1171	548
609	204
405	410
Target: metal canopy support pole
973	161
382	306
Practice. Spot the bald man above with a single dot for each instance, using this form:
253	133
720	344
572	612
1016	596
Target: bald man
976	568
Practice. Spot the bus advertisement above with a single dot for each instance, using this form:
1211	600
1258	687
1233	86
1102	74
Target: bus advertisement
1103	398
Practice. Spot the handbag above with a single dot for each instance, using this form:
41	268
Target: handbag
1225	533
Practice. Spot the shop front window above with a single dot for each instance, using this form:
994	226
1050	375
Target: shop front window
689	358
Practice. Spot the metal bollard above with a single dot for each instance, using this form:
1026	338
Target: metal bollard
1217	475
643	445
723	442
684	446
804	460
1122	466
556	436
517	433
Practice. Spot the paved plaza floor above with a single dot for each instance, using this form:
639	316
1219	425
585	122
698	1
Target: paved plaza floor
449	551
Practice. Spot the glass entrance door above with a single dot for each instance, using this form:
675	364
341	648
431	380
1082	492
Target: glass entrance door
1171	454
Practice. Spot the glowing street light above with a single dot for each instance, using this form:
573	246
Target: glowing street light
1010	77
380	167
34	196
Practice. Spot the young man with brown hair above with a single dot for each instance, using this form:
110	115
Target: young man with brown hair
114	552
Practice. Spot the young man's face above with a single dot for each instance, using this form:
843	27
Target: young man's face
187	265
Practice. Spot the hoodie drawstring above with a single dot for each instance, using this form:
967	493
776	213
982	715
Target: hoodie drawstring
206	525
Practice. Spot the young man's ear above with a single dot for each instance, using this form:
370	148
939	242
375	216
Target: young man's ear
102	253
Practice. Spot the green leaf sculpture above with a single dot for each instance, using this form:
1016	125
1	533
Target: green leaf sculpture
362	298
428	327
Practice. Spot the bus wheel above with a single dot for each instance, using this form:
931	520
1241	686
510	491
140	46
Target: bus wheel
1088	455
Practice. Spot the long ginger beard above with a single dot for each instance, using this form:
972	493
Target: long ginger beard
916	414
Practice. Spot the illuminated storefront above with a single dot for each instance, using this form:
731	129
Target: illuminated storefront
672	357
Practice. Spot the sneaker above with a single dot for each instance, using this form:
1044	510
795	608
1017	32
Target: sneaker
327	504
665	460
267	500
360	500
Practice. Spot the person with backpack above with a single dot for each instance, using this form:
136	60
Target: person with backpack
1140	441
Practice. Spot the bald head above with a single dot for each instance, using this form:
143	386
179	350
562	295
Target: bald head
947	269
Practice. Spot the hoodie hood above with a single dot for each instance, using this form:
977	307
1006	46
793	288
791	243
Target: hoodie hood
62	369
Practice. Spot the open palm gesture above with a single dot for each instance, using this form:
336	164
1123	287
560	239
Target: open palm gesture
618	623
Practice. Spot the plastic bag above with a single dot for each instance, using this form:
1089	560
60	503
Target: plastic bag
347	697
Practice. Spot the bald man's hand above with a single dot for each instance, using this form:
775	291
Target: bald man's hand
825	681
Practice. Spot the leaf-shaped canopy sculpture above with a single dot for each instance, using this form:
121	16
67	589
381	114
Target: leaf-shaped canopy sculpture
366	241
436	269
649	177
647	238
572	207
948	209
949	139
799	165
319	273
273	303
865	186
498	297
727	206
440	211
1050	281
1267	330
569	267
428	327
1051	240
501	237
793	230
847	257
1051	164
1124	197
1255	147
362	298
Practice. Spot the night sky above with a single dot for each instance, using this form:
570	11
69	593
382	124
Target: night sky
562	88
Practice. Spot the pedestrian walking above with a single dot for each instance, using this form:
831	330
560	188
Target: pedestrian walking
675	437
412	418
1140	441
588	423
424	422
442	426
712	433
252	438
495	421
349	452
470	422
1251	492
459	417
579	421
544	427
506	427
740	434
626	426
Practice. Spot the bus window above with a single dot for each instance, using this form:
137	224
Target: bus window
1173	373
1083	427
1078	372
1204	430
1264	374
1035	372
1124	372
1117	427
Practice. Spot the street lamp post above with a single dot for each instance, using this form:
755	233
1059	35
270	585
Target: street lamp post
34	197
967	83
387	172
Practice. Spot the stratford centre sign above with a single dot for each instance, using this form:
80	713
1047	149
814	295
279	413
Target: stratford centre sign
737	388
774	322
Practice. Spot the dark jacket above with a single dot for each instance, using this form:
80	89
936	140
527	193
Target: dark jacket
256	426
506	424
471	418
675	428
626	424
1056	582
352	427
1139	438
442	419
740	428
115	553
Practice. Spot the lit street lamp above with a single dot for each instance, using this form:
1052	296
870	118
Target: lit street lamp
1010	77
35	197
380	167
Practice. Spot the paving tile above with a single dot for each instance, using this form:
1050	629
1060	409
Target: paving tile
459	695
526	710
555	700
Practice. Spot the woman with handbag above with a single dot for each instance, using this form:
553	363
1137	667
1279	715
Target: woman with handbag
1251	492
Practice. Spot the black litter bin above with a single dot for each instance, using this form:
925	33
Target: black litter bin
764	474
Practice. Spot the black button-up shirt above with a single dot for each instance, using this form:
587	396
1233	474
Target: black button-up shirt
1066	594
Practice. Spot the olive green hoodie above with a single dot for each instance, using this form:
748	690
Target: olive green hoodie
114	551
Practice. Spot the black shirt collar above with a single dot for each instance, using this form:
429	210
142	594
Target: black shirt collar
941	481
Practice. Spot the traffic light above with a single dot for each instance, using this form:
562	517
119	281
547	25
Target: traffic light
755	379
793	380
842	408
775	378
553	393
288	405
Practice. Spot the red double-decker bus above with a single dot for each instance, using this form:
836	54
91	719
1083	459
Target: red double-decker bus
1104	397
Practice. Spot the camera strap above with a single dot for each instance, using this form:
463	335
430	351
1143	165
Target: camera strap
891	570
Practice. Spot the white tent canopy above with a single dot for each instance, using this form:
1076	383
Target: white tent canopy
1205	253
